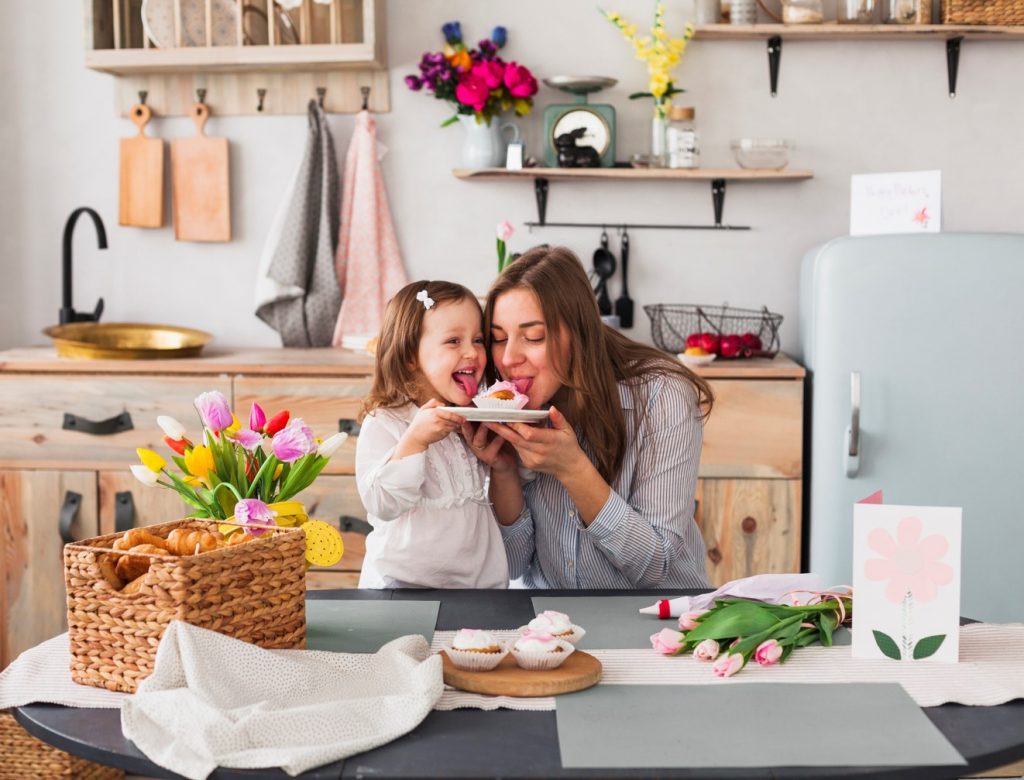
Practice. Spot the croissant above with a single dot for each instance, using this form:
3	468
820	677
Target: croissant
131	566
238	538
108	570
181	541
136	536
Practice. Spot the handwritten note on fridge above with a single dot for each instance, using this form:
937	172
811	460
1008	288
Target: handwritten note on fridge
895	203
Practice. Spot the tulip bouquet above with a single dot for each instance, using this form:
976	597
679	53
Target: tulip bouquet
232	476
736	630
476	82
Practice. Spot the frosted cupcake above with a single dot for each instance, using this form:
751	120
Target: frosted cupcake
557	624
501	395
538	652
475	650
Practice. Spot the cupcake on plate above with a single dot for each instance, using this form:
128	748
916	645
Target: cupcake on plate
536	651
475	650
501	395
557	624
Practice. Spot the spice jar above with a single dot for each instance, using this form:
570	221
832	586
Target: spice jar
681	140
802	12
906	11
855	11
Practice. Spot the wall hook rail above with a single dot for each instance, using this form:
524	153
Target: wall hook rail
320	93
953	62
201	95
143	94
260	94
774	60
366	97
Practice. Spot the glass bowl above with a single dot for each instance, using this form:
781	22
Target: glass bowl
766	154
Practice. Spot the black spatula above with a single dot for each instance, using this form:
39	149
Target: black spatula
624	304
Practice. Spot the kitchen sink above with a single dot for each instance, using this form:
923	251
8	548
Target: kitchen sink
125	340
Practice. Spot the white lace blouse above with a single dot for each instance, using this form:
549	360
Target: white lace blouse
433	526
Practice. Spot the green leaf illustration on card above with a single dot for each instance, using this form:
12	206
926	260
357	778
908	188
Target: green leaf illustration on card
928	646
887	645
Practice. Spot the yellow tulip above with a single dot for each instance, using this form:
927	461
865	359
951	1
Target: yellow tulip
151	460
277	471
199	461
235	426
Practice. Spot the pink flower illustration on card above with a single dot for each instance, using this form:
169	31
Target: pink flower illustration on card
909	563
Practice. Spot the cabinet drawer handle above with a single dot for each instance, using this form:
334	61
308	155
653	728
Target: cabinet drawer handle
68	515
349	426
354	525
124	511
116	424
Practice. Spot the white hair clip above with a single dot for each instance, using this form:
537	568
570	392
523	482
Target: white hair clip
426	299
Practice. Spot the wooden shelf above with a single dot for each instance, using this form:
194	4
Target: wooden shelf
832	30
646	174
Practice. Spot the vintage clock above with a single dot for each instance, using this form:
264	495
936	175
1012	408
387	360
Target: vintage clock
597	119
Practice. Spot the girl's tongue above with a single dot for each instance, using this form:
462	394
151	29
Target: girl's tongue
467	382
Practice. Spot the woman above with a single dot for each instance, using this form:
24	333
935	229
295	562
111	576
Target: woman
607	495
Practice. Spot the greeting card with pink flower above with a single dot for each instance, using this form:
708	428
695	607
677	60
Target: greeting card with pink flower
906	577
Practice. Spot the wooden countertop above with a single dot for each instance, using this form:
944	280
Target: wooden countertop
309	362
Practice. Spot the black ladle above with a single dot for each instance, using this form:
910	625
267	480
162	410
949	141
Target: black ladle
604	266
624	304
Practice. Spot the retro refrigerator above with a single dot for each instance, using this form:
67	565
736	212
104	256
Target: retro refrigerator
914	346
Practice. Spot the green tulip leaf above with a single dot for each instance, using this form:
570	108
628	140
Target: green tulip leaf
887	645
738	619
928	646
826	626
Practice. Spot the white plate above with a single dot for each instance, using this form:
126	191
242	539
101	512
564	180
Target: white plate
474	414
158	22
696	360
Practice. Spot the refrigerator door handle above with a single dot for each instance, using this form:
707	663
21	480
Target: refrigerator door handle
851	450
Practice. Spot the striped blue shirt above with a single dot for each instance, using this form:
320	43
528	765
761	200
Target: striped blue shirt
645	535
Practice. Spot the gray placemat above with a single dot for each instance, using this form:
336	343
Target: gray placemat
366	626
748	725
612	622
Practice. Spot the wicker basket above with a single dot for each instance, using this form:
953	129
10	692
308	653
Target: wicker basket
253	591
671	323
27	758
995	12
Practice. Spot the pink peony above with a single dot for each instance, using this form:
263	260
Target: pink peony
727	665
667	641
294	441
490	71
768	652
214	410
472	91
688	620
519	80
253	512
706	651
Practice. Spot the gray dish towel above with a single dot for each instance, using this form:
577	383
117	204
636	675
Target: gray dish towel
297	294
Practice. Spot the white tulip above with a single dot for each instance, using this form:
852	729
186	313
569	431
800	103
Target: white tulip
144	474
330	445
174	429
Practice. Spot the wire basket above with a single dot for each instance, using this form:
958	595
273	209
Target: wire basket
671	323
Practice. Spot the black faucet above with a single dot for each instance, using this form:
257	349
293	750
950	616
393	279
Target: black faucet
67	312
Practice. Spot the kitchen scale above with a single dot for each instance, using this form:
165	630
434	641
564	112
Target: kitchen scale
597	119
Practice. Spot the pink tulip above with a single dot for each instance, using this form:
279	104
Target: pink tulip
688	620
490	71
294	441
768	652
472	91
519	80
667	641
214	410
257	417
505	230
248	439
706	651
727	665
253	512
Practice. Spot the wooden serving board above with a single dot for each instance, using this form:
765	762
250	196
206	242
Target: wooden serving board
200	189
141	192
579	671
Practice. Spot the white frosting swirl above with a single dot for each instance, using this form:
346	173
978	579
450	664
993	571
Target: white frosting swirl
551	622
532	642
473	639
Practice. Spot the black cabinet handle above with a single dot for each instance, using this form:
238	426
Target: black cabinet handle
68	515
351	427
117	424
124	511
348	524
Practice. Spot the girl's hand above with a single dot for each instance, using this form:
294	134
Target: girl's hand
489	448
429	425
553	450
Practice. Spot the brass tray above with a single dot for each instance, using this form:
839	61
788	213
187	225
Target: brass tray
126	341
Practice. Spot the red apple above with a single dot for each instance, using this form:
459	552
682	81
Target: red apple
731	346
693	340
751	341
709	343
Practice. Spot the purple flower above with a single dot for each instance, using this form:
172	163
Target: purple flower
214	410
452	32
248	439
294	441
487	49
499	35
415	83
253	512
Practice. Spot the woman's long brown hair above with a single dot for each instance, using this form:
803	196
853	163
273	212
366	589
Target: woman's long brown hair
599	357
394	378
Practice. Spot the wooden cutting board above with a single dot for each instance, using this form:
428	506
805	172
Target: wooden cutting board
200	189
579	671
141	200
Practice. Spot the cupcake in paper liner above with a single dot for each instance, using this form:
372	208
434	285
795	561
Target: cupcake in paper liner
557	624
539	652
501	395
475	651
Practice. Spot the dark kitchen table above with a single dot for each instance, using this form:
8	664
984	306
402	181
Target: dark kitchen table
506	743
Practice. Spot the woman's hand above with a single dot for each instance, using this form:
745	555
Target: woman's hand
553	450
429	425
489	448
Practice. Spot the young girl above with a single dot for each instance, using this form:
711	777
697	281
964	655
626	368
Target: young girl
423	489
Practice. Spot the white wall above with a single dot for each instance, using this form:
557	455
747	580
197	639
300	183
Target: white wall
859	106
